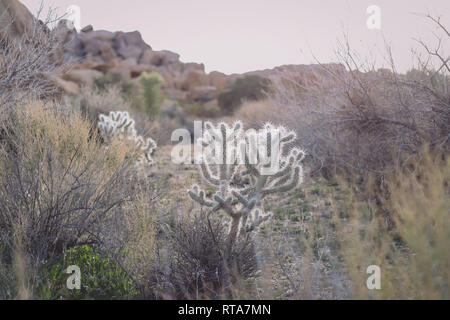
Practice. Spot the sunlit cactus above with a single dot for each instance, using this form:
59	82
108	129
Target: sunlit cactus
119	125
242	178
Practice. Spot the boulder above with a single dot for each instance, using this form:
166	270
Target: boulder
73	47
159	58
169	79
68	87
98	44
128	63
92	47
218	80
147	57
177	94
123	72
101	35
194	78
129	45
107	52
138	69
105	67
83	77
193	66
202	93
88	28
87	64
15	19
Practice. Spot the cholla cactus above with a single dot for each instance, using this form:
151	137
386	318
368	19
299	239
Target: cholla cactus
242	177
119	125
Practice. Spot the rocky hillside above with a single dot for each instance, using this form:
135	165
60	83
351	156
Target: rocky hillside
90	54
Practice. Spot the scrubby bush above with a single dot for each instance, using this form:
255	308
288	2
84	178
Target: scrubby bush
203	110
60	188
91	103
353	118
114	79
101	278
198	244
413	255
247	88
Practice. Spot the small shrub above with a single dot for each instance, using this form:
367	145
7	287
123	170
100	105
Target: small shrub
114	79
100	277
198	109
198	269
91	103
246	88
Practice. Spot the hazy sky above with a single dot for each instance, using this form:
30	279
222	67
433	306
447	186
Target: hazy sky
244	35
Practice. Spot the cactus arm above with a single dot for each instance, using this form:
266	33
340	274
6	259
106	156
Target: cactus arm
226	205
199	196
295	180
207	174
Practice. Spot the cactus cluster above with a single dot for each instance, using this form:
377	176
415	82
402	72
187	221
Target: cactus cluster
119	125
242	182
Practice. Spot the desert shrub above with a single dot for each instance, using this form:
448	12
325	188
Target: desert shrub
91	103
26	62
247	88
205	110
58	189
256	113
150	97
413	255
198	245
7	281
101	278
114	79
353	118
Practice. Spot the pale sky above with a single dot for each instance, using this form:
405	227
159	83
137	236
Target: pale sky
236	36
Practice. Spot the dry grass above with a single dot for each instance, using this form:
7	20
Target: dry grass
413	255
27	62
255	113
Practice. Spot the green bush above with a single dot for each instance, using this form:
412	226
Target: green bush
150	98
100	277
114	79
247	88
